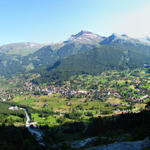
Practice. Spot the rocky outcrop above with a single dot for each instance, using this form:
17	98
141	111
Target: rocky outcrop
136	145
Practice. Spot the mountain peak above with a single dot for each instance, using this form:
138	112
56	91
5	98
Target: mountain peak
118	38
124	35
148	38
83	32
85	37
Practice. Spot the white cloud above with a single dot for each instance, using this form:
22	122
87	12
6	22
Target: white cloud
136	24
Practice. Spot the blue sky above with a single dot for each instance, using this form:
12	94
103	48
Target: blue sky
55	20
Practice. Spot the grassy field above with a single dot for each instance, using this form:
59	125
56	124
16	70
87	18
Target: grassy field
9	117
57	107
114	101
61	106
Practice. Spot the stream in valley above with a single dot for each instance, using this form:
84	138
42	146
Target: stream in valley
33	131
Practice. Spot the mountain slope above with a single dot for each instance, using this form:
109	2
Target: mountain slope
96	61
24	57
10	64
122	39
48	55
20	48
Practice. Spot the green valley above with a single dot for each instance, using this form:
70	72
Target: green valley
74	92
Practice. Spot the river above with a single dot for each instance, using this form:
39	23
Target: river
33	131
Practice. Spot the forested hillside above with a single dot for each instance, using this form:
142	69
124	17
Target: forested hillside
97	60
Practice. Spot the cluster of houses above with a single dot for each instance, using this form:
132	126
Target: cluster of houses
5	96
48	90
31	89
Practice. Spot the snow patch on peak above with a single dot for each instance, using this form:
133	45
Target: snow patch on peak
85	37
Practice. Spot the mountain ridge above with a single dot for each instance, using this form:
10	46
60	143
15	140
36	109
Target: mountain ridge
85	37
47	55
82	37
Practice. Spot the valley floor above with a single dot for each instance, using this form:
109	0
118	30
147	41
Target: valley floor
111	104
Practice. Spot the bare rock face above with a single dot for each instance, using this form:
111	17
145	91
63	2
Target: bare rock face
82	143
85	37
136	145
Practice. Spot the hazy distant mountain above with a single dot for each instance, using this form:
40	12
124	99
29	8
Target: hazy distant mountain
124	39
20	48
116	38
